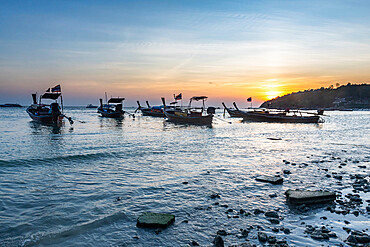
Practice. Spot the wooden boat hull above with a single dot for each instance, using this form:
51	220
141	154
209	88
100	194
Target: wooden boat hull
234	113
149	112
114	114
259	117
202	120
45	118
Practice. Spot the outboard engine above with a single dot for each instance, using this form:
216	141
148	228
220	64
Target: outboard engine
320	112
118	107
211	110
55	111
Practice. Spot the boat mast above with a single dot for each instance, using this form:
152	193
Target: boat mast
61	98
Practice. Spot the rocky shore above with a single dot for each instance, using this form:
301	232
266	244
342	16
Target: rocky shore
338	209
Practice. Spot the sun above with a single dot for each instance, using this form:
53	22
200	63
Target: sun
272	94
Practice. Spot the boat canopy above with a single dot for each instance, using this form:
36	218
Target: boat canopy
197	98
116	100
50	95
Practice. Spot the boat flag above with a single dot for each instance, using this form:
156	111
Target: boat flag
56	89
249	99
178	97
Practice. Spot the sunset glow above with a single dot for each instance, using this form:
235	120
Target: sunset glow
146	50
273	94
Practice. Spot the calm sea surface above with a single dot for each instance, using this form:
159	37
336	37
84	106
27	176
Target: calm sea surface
59	186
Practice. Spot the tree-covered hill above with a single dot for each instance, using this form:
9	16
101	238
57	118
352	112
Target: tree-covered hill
343	97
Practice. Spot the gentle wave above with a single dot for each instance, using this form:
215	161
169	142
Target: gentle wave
54	237
58	159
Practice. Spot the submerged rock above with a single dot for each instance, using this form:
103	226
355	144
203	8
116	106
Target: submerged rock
221	232
262	237
214	196
148	219
258	211
307	197
194	243
218	242
270	179
272	214
358	237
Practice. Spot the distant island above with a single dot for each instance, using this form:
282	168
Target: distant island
350	96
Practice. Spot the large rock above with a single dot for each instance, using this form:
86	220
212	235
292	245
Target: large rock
155	220
270	179
272	214
307	196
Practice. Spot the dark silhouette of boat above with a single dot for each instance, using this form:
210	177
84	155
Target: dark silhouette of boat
153	111
11	105
113	108
190	115
48	114
233	112
91	106
272	115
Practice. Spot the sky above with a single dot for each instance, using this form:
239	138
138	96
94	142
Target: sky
144	50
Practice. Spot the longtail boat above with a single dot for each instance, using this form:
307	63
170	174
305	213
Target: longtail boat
153	111
273	115
112	109
48	113
233	112
190	115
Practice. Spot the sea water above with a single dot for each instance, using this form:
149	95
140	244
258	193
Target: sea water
86	184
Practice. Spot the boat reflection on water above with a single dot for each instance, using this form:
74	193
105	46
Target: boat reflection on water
111	122
40	128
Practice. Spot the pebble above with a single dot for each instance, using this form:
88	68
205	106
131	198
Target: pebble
274	221
245	233
194	243
215	195
258	211
221	232
262	237
287	172
271	239
286	231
